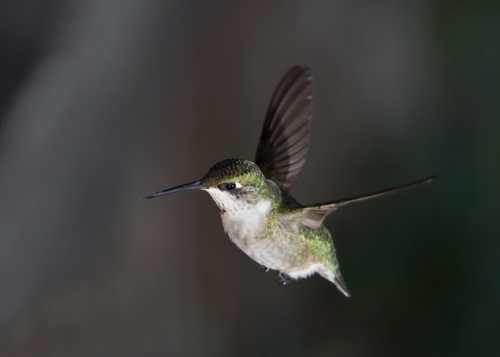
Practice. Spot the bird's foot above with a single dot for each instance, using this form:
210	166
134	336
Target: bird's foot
284	279
266	269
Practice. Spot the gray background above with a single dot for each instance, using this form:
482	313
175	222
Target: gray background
102	102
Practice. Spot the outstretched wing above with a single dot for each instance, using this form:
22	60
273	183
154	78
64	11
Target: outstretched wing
313	216
284	141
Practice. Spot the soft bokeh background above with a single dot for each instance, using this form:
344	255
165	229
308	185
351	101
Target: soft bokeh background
102	102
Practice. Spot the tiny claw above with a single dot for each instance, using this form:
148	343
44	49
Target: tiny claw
285	279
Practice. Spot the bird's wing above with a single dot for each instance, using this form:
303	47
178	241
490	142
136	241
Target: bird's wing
284	141
314	215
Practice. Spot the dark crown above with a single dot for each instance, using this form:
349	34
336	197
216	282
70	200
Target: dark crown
230	168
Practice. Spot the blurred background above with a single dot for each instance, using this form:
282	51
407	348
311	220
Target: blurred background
102	102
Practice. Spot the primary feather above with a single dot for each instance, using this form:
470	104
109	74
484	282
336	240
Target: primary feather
284	141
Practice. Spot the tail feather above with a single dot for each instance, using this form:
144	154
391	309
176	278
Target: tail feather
338	280
341	285
314	215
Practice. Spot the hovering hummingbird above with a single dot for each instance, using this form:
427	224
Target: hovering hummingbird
258	213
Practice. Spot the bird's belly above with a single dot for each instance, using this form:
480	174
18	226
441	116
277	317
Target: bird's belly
271	254
277	248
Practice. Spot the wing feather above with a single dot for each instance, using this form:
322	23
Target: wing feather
284	141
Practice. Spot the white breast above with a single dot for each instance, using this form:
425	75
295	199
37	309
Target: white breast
248	222
241	220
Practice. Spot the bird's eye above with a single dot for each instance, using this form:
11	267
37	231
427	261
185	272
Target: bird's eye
227	186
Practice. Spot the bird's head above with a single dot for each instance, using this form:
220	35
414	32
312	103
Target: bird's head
232	183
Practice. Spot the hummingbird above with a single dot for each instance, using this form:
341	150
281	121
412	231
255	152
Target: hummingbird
258	212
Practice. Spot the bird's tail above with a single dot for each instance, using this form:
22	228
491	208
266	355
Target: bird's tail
337	279
315	214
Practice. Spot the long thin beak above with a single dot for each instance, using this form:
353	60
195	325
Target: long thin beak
195	185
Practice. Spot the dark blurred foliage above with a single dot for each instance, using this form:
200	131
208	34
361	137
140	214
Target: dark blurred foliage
104	101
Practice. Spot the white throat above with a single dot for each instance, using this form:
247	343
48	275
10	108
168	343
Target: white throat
240	218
